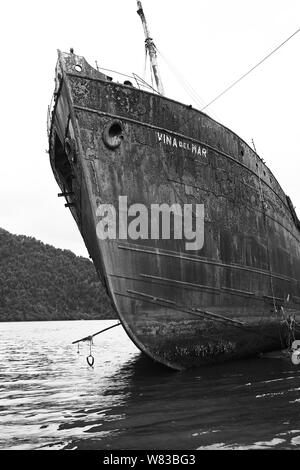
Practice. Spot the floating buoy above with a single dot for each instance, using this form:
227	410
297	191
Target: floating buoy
295	345
90	360
295	357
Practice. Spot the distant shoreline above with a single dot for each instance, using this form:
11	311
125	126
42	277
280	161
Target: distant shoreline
41	283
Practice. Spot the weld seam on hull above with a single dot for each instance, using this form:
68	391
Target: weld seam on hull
160	299
184	283
189	285
199	260
202	314
201	286
194	311
237	291
269	297
168	281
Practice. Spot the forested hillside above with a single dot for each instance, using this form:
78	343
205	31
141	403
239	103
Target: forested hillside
40	282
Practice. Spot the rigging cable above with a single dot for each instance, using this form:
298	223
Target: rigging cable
133	75
251	70
187	87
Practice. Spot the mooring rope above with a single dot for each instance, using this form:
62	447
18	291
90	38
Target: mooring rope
89	338
90	358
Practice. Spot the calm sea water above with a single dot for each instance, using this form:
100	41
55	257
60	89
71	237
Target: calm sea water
51	399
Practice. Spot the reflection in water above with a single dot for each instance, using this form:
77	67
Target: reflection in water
51	398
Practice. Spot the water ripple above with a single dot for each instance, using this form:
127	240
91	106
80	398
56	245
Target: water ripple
51	399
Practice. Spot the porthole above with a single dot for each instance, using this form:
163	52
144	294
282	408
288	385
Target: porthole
113	134
78	68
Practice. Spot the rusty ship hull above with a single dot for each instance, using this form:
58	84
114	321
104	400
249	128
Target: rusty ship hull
239	295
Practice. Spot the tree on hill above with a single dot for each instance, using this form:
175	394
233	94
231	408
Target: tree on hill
40	282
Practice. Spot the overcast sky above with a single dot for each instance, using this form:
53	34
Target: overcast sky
211	42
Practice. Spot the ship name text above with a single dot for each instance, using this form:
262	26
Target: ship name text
172	141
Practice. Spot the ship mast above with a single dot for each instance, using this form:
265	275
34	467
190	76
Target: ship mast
150	47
